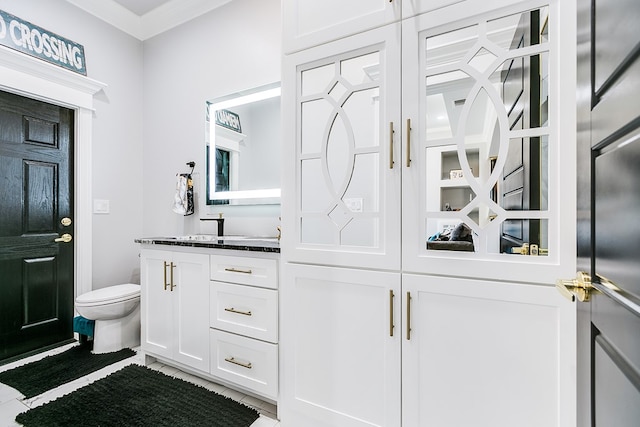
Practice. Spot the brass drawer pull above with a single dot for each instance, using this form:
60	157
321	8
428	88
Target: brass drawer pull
237	270
233	310
235	362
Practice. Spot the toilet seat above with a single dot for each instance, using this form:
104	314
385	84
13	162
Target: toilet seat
109	295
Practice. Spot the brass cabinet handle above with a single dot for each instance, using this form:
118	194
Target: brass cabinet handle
172	265
391	312
408	316
237	270
235	362
233	310
408	143
65	238
391	145
165	275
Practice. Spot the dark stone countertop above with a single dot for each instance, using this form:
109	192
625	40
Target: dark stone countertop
256	244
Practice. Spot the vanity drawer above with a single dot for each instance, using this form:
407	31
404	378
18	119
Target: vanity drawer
247	271
244	310
244	361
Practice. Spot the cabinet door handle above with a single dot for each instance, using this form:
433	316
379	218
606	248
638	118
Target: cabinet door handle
235	362
408	143
391	312
165	276
391	145
237	270
408	316
233	310
172	265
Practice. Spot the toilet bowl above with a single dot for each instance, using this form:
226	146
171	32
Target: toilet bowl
116	312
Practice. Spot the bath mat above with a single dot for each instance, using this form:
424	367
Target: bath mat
139	396
37	377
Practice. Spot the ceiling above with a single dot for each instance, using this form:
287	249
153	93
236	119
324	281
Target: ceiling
144	19
141	7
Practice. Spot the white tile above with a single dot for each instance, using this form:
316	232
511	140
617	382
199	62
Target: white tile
8	412
9	393
265	422
216	388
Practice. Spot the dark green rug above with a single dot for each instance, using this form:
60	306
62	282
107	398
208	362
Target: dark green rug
37	377
139	396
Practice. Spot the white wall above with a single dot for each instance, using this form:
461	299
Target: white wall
113	58
229	49
232	48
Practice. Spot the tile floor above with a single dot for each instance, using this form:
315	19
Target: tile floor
12	402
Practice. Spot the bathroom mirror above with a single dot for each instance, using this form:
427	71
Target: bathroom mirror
243	143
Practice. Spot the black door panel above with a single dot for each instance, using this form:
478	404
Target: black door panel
36	290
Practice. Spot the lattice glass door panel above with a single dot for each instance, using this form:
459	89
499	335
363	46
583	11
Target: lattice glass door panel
486	140
348	195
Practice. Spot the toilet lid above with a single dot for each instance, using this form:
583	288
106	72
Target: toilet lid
110	293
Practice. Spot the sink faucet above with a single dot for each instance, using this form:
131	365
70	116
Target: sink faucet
220	221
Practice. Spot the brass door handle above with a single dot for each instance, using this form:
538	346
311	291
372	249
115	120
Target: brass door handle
65	238
580	287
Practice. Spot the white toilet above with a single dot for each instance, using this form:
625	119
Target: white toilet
116	312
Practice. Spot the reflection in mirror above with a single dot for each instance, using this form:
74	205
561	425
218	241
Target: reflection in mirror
243	147
487	138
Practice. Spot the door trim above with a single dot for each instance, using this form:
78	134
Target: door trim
36	79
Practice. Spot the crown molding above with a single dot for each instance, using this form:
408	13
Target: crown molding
159	20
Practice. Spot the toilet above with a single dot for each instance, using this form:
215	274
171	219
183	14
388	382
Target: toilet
116	312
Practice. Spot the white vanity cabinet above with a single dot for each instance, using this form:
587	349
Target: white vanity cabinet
391	125
213	311
175	306
244	322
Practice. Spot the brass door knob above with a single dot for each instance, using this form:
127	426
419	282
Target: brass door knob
580	287
65	238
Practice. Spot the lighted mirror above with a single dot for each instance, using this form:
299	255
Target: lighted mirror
243	146
487	136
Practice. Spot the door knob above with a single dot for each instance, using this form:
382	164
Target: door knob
579	287
65	238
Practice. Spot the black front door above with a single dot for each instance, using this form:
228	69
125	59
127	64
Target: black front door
609	212
36	206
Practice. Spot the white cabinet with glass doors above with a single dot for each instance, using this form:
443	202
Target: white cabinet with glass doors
436	165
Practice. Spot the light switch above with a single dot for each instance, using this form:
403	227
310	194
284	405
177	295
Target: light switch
100	206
